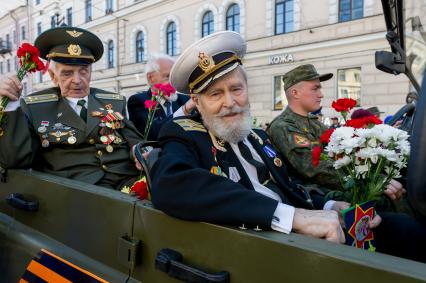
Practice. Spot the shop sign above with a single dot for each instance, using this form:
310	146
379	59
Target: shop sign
280	59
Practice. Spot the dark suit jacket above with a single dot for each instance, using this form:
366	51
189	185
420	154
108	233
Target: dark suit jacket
85	160
138	114
184	187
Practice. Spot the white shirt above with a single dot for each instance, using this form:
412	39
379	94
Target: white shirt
73	104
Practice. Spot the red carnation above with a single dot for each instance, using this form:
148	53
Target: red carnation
140	188
165	89
363	122
343	104
325	137
150	104
316	155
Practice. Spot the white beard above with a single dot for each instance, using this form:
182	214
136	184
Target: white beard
231	132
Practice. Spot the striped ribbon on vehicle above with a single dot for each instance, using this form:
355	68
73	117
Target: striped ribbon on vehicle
48	267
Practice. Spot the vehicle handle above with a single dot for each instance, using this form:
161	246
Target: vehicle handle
18	200
170	262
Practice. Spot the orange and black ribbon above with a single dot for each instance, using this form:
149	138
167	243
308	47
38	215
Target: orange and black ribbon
48	267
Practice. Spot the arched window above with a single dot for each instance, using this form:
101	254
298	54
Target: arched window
208	24
233	18
283	16
139	47
171	39
110	54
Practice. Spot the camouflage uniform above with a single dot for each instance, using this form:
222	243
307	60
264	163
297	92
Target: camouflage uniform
295	136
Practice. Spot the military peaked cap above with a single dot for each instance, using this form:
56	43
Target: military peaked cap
207	60
69	45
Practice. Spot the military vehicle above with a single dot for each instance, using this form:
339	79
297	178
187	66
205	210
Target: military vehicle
112	237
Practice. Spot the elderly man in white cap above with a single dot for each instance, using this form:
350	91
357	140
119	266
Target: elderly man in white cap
214	167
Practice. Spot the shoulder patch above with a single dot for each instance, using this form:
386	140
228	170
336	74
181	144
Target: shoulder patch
301	141
40	98
112	96
190	125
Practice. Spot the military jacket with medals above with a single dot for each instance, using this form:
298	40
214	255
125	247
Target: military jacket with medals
294	136
198	177
47	134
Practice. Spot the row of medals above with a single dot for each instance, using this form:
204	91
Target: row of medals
61	131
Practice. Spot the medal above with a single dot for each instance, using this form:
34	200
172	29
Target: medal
42	129
104	139
72	140
278	162
58	134
109	148
269	151
45	143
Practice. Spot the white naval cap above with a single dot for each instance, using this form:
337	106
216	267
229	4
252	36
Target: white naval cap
207	60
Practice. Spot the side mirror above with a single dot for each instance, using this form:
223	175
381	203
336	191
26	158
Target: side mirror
389	62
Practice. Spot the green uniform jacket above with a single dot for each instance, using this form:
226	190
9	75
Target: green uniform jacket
45	133
295	136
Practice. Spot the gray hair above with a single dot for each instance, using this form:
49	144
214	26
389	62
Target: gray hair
152	63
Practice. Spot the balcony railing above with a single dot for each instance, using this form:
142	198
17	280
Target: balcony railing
5	47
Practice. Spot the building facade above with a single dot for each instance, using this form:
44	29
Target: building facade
337	36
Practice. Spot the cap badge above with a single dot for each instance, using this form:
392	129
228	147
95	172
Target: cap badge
205	62
74	33
74	50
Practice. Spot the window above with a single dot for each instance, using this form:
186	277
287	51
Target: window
171	39
8	65
283	16
208	24
39	30
233	18
1	67
108	7
7	42
349	84
69	16
280	100
139	47
350	10
53	21
88	10
23	33
37	2
110	54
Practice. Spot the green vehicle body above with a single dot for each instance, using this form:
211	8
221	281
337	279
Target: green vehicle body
122	239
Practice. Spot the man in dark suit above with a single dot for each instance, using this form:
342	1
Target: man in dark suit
214	167
71	130
157	71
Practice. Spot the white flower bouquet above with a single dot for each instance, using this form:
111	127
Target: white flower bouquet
368	158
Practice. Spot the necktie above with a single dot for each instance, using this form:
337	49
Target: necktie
262	171
83	112
168	107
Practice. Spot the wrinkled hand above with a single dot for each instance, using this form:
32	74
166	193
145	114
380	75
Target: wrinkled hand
11	87
319	224
394	190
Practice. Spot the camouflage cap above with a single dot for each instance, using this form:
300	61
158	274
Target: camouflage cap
303	73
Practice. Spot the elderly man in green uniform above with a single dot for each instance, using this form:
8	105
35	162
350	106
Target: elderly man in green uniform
295	131
70	130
